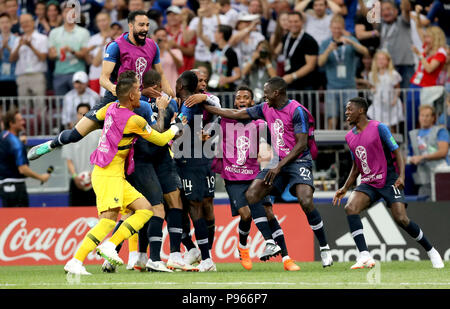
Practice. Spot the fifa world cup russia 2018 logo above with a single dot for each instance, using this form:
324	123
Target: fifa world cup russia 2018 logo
141	65
278	128
361	153
242	145
106	127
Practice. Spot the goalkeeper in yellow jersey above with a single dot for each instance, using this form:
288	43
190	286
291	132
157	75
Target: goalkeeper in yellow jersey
112	158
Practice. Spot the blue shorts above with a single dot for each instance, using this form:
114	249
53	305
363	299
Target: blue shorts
297	172
108	98
389	193
144	180
198	182
236	192
167	173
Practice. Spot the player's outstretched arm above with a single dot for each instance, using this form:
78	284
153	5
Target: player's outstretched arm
340	194
238	114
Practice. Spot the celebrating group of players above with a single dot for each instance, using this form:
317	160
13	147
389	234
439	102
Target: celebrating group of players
138	175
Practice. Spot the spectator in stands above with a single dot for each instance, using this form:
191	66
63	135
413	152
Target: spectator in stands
338	55
80	93
261	8
444	119
386	105
8	67
30	52
211	18
365	31
396	38
96	49
171	58
89	10
39	12
76	164
224	60
429	148
440	10
349	9
116	30
12	8
300	52
53	17
246	38
276	40
68	46
431	63
258	71
177	32
229	12
137	5
363	72
318	19
14	167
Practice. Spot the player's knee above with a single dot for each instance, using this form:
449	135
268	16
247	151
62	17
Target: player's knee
158	211
251	196
307	204
245	213
351	209
401	220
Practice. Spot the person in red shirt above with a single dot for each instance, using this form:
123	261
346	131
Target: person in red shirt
180	38
431	63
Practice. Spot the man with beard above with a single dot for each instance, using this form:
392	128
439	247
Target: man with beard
131	51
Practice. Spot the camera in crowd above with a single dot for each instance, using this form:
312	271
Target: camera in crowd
264	53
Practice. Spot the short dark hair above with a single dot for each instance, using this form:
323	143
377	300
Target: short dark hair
83	104
244	87
10	116
133	14
5	15
277	83
360	102
188	80
151	78
160	29
296	13
125	82
226	30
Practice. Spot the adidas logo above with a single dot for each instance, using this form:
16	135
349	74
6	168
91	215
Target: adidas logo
380	231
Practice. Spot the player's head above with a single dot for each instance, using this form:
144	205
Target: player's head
152	79
186	83
202	80
13	121
244	97
82	109
127	89
355	109
274	88
139	24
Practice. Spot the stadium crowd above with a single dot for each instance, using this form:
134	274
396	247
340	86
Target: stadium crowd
341	46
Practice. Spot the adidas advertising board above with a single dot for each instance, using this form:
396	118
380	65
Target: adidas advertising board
385	239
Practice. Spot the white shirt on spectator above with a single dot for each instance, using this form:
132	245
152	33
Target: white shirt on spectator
71	101
28	62
96	40
232	15
210	25
245	51
318	28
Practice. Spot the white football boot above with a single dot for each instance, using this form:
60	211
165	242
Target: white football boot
133	257
207	265
325	255
157	266
108	251
365	260
141	261
192	256
435	258
75	267
176	262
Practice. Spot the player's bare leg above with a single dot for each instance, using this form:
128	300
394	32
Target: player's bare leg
401	218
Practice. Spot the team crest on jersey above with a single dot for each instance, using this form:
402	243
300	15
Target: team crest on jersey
361	153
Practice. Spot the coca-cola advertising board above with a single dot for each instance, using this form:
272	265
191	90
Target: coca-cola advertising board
48	236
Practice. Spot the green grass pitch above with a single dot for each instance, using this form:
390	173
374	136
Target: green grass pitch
269	275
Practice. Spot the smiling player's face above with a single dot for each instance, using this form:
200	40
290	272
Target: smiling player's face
243	99
135	96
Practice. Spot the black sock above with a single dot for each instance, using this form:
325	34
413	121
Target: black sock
316	223
415	232
186	238
260	219
143	238
174	217
201	235
211	225
66	137
119	246
356	228
244	230
278	235
155	237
